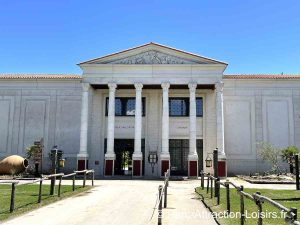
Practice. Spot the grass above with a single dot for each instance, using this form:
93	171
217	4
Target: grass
26	197
250	207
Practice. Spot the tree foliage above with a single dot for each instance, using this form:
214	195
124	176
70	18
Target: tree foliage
271	154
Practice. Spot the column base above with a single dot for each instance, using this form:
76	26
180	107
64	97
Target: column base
137	162
164	164
193	166
109	164
222	168
82	161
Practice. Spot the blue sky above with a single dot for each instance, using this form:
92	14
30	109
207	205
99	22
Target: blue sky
253	36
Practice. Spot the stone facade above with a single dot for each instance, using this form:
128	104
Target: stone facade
70	111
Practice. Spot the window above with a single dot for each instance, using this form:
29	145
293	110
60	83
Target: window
125	106
181	107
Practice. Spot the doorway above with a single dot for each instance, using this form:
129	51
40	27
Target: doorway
179	151
124	149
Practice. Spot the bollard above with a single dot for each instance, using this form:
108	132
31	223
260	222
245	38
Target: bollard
40	191
59	186
160	187
202	179
217	190
259	206
12	197
73	185
207	187
242	205
227	196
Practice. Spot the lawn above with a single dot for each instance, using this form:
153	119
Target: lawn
250	207
26	197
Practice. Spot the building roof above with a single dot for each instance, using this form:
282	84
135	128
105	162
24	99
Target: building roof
262	76
153	44
39	76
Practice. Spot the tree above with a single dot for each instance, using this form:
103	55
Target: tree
287	154
271	154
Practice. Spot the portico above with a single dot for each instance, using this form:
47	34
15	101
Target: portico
162	86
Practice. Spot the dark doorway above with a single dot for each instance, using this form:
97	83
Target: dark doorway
179	151
124	149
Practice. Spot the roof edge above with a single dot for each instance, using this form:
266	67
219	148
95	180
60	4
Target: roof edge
151	43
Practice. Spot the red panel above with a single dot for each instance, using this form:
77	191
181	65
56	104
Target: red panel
222	168
164	167
109	167
137	167
81	164
193	169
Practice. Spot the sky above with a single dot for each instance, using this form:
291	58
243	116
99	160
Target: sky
52	36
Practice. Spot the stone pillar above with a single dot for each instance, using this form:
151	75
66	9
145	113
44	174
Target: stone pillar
165	155
110	155
193	156
82	156
137	156
220	129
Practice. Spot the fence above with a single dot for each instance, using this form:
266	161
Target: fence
53	177
257	198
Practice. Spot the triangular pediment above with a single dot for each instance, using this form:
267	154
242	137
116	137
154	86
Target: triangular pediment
152	53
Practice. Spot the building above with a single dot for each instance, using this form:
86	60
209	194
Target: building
152	99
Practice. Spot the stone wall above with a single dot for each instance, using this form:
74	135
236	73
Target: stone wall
32	109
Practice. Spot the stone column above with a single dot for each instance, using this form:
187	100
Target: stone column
220	129
193	156
82	156
110	155
137	156
165	155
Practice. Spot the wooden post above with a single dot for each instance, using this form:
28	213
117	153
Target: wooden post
259	206
84	178
59	186
297	171
202	179
12	197
216	174
227	196
211	188
160	187
294	210
165	194
52	185
217	190
242	205
40	191
207	187
73	186
93	177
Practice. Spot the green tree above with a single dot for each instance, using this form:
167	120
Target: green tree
271	154
287	154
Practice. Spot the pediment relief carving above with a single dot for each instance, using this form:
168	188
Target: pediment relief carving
152	57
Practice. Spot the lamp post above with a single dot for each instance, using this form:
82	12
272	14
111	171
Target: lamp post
213	162
53	168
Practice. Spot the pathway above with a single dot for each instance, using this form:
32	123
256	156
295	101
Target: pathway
122	202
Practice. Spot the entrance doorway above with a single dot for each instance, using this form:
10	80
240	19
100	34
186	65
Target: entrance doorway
179	151
124	149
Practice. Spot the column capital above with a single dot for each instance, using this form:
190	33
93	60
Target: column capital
165	85
138	86
85	86
192	86
219	86
112	86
